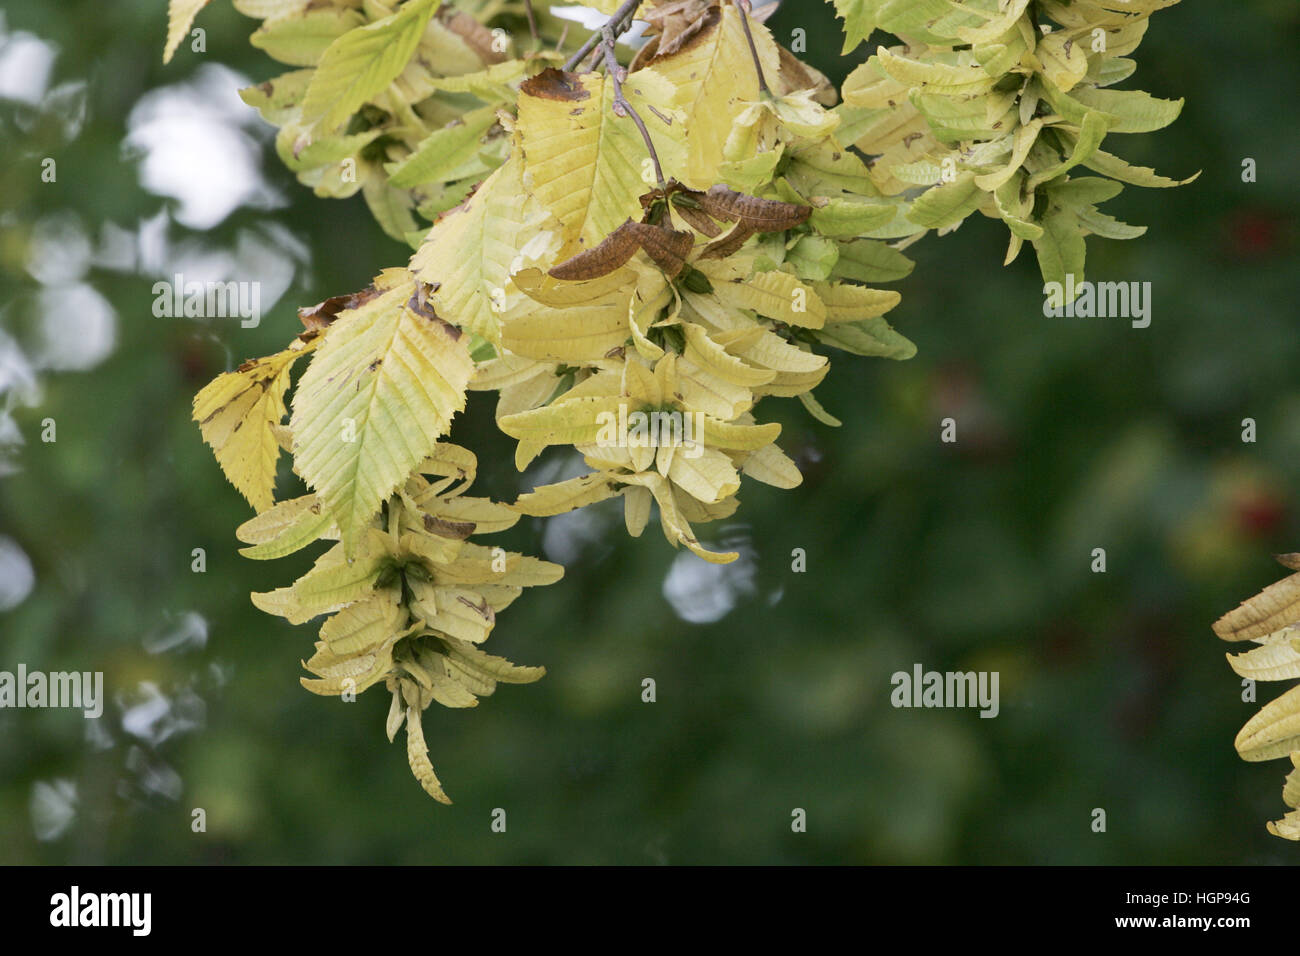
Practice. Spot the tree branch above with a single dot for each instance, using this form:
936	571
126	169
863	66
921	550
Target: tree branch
532	24
616	23
742	7
621	106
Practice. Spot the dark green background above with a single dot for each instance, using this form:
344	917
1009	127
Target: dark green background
1073	434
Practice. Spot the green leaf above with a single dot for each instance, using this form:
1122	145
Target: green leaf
303	40
1136	111
1108	227
859	18
867	260
1084	147
445	152
1060	248
816	410
873	337
288	527
469	254
848	218
278	99
813	257
362	62
390	206
1114	167
948	204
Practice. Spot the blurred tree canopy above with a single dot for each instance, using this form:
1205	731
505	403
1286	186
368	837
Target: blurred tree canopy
772	686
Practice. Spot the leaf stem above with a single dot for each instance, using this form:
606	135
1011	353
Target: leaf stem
615	23
742	8
532	24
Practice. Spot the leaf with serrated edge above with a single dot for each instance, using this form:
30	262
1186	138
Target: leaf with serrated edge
390	376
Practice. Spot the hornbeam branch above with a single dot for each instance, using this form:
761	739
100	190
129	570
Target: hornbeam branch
532	24
621	106
620	21
742	6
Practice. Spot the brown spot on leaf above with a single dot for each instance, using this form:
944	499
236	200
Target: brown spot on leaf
483	609
553	84
320	316
684	26
443	528
421	306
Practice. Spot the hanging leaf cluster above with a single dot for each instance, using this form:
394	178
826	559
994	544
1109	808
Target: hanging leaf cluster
632	253
1001	107
1271	620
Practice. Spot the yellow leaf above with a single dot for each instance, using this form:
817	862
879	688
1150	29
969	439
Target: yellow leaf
1274	731
180	15
714	80
417	754
283	529
1271	610
564	496
1279	661
236	412
472	251
375	400
776	295
581	161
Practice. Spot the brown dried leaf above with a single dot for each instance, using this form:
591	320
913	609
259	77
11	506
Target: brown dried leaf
422	307
797	75
553	84
676	22
668	248
696	218
319	316
476	36
671	188
445	528
762	215
613	253
728	244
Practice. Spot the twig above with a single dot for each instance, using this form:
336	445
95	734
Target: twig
532	24
741	6
621	106
614	23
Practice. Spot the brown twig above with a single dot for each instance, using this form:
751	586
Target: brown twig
741	7
532	25
621	106
616	23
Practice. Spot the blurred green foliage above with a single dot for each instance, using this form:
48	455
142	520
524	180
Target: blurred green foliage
1073	434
